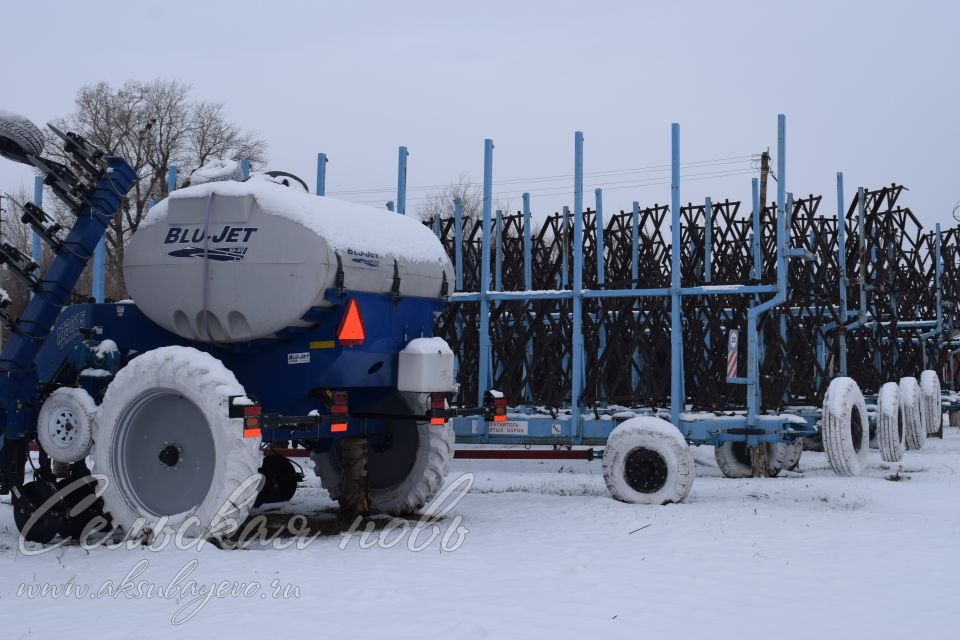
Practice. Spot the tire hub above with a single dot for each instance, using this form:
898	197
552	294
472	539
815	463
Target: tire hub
645	470
856	429
164	453
62	426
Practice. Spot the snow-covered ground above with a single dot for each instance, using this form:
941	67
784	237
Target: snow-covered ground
548	554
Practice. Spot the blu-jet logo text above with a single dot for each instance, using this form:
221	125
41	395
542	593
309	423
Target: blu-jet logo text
229	239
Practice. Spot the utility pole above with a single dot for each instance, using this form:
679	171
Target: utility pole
758	454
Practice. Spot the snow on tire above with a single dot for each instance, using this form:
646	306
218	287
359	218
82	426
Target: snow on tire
931	409
403	474
65	424
733	458
19	137
647	461
168	448
890	423
845	428
915	432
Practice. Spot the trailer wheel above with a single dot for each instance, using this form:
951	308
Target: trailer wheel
65	424
845	428
168	448
733	458
931	410
915	432
19	137
403	473
647	461
890	423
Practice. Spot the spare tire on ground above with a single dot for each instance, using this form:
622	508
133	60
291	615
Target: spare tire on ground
891	431
733	458
915	431
647	461
845	428
931	409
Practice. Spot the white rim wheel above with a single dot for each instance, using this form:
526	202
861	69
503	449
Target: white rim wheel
19	137
845	428
931	410
65	424
915	432
168	447
647	461
733	458
891	428
403	474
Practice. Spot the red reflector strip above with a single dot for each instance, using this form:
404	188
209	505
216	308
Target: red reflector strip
499	417
338	427
251	411
438	422
252	422
251	433
338	408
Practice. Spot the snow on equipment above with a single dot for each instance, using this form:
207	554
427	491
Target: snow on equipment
261	315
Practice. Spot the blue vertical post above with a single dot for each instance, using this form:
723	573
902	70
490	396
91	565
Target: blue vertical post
635	245
527	286
402	181
436	224
598	193
635	278
601	279
577	299
483	379
321	174
458	241
708	241
245	168
842	261
498	252
757	216
171	178
36	249
676	337
564	259
938	270
527	245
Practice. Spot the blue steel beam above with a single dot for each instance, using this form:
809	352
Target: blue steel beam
577	338
458	242
402	181
483	381
676	339
321	174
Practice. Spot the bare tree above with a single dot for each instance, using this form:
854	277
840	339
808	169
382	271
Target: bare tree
471	201
154	125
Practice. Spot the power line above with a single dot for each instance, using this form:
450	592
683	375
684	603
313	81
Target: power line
611	172
558	191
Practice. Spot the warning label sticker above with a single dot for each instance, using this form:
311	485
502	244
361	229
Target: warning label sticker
510	428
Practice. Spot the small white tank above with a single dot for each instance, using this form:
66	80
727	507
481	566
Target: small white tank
271	256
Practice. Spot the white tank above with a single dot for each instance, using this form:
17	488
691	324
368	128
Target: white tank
272	254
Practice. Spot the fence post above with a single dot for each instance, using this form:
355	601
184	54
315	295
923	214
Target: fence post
171	179
757	217
708	241
321	174
842	261
402	181
483	379
676	337
528	286
577	298
458	241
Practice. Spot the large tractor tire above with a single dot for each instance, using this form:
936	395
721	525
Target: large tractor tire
891	431
733	458
647	461
19	137
168	448
404	472
931	408
915	431
845	427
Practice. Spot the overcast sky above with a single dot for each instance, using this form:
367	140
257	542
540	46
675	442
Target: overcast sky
869	88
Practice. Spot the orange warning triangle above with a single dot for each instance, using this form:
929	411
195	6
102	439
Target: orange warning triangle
350	332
